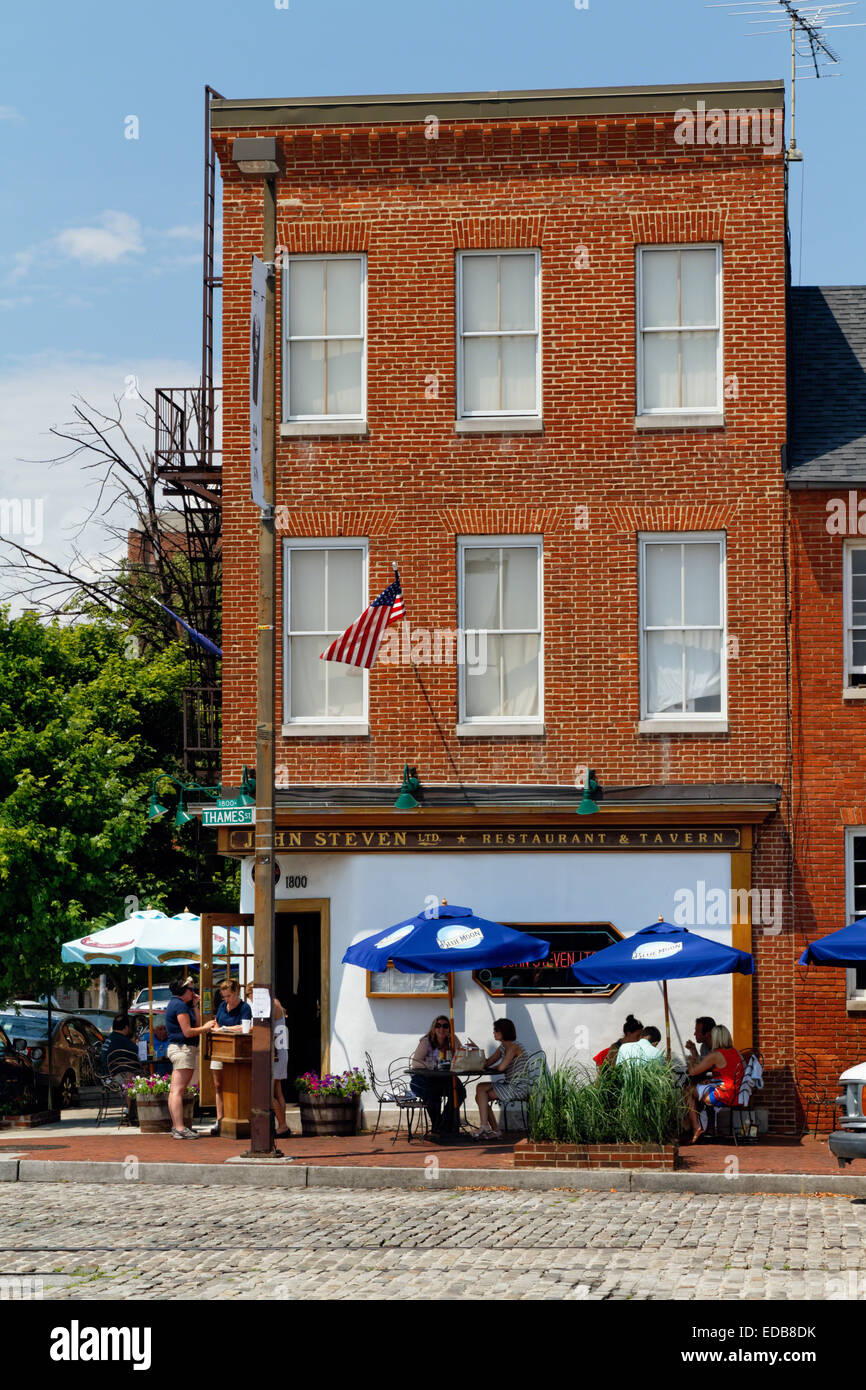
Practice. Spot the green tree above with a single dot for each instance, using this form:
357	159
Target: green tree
84	729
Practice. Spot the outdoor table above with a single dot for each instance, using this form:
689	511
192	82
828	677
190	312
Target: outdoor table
446	1076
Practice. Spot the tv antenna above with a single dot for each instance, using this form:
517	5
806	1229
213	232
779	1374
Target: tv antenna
809	48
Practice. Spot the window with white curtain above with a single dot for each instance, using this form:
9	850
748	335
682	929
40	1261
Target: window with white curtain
498	347
854	587
324	348
683	671
679	309
855	906
500	613
325	590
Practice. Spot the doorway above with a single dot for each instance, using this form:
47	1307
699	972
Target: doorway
301	985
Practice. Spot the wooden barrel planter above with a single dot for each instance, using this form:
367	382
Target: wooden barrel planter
153	1116
329	1114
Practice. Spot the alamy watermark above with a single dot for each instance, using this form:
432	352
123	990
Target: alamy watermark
846	516
24	517
762	127
720	907
443	646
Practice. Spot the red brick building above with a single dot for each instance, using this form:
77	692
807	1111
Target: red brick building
826	476
531	347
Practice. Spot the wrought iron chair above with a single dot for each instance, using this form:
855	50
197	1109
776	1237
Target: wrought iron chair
811	1091
527	1070
404	1097
112	1091
394	1091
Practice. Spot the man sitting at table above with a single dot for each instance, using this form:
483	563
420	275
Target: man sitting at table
434	1052
119	1052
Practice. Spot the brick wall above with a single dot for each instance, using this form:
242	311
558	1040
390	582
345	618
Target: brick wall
413	485
532	1153
829	777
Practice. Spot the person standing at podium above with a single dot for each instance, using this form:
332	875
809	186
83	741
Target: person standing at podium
230	1015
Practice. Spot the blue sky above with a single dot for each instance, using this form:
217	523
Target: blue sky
100	254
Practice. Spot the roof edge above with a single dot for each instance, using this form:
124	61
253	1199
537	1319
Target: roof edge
229	114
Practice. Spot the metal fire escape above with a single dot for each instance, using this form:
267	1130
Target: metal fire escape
189	463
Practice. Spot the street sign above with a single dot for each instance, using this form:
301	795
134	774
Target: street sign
228	815
257	364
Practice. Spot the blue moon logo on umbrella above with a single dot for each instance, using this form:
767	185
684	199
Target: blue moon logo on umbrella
459	938
396	936
656	950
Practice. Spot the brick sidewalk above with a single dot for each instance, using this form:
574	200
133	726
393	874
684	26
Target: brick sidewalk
772	1155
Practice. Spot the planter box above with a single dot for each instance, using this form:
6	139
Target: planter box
326	1115
37	1117
531	1153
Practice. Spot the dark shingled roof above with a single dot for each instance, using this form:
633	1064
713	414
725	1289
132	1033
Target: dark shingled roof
827	386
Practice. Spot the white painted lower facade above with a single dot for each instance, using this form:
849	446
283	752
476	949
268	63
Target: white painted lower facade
367	892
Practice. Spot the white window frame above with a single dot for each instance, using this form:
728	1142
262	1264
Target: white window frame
848	617
321	724
855	998
462	412
478	725
288	338
683	411
695	721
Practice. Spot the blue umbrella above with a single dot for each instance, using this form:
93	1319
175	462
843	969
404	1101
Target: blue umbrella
846	947
443	940
446	939
662	952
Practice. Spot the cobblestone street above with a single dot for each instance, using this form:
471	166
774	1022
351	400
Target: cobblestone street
104	1241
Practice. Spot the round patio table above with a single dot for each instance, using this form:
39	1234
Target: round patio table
452	1134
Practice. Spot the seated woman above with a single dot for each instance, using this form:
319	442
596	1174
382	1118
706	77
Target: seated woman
631	1032
504	1062
436	1049
723	1087
644	1050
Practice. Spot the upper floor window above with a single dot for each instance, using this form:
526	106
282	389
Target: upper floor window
855	907
325	590
500	587
682	593
679	320
324	339
854	590
498	338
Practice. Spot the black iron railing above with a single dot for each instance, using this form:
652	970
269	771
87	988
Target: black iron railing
187	431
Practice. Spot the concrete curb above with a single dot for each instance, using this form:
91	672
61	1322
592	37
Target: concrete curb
520	1179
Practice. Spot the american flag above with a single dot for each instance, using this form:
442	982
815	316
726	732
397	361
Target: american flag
359	644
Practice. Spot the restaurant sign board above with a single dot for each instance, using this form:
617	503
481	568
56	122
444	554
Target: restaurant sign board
496	839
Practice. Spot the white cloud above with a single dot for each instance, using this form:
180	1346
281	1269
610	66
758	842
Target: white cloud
9	113
118	236
187	233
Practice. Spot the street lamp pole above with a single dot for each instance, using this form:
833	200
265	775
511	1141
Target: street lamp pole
261	1131
259	156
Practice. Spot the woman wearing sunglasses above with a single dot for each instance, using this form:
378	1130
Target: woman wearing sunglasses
434	1053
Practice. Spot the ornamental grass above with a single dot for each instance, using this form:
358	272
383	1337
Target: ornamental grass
572	1104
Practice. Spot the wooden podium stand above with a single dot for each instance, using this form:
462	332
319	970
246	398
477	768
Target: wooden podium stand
235	1051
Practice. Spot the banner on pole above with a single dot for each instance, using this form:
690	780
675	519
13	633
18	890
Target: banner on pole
257	376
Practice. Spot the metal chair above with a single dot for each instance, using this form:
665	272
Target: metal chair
112	1091
526	1072
811	1091
404	1097
393	1092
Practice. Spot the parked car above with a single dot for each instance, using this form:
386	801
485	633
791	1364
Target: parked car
849	1141
141	1006
75	1050
17	1078
100	1018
